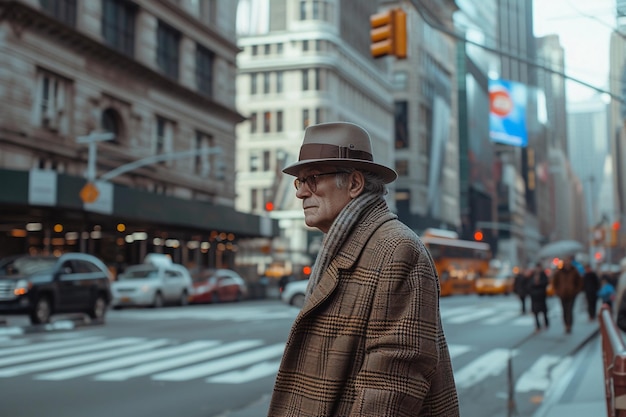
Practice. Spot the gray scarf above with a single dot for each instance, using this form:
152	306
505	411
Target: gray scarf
343	225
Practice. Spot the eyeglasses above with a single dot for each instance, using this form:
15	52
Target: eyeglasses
311	180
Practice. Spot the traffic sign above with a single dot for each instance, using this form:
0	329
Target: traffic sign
89	193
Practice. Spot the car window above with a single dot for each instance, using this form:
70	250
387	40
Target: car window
27	265
85	267
139	272
171	274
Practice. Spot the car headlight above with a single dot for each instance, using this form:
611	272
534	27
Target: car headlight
146	288
22	287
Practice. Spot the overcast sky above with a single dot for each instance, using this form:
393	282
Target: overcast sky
584	28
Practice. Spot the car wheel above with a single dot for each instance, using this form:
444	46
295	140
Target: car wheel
239	296
215	298
297	300
98	309
42	311
158	300
184	299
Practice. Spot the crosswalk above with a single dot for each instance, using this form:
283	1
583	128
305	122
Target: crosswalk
72	355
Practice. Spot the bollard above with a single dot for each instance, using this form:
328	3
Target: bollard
614	364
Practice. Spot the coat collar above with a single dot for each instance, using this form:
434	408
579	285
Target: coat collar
347	256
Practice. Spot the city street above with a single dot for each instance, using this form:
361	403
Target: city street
216	360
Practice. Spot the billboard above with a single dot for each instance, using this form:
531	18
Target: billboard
507	112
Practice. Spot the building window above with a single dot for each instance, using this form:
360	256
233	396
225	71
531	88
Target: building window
401	120
267	160
204	70
254	197
118	25
253	84
318	81
253	123
305	45
254	163
267	122
163	138
51	103
303	10
279	48
305	118
318	115
255	50
316	9
111	122
279	121
400	80
267	49
402	167
168	40
63	10
305	80
279	81
203	162
266	83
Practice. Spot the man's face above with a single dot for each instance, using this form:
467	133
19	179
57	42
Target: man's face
322	206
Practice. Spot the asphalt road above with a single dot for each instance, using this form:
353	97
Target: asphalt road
217	360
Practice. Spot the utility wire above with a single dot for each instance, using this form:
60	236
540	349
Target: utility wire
433	22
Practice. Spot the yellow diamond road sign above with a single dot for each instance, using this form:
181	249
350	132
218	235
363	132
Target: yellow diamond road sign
89	193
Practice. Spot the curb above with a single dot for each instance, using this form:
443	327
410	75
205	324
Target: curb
59	325
556	391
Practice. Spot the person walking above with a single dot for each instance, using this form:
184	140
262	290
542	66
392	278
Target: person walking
368	340
520	287
591	286
606	292
567	283
537	289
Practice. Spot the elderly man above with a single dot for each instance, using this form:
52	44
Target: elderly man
368	340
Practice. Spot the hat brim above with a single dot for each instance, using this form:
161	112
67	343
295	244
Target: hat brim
387	174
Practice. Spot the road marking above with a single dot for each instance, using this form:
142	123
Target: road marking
537	377
127	360
73	360
260	370
464	318
221	365
491	363
150	368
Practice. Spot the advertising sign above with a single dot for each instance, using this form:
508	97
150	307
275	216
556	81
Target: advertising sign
507	115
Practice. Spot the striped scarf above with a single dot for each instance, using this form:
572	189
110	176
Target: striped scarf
343	225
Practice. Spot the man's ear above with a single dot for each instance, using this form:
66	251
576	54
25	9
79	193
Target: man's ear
357	184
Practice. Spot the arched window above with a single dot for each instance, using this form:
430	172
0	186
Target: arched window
112	122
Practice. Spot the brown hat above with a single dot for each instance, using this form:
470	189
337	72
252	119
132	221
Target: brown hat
340	144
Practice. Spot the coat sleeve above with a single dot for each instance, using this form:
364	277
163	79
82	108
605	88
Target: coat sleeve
406	357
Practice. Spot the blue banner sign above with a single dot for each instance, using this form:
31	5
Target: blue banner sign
507	112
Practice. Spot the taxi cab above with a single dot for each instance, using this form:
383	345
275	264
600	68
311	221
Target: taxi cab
495	282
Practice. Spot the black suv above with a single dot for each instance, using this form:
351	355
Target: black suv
41	286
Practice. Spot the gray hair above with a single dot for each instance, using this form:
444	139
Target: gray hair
374	184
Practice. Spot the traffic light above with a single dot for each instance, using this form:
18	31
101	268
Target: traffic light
478	235
269	206
388	33
613	234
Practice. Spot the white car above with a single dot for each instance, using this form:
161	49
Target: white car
294	293
154	283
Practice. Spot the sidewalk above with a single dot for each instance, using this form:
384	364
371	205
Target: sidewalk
580	391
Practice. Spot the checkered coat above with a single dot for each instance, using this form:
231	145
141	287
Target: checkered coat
369	341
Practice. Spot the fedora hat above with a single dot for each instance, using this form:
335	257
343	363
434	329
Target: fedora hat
340	144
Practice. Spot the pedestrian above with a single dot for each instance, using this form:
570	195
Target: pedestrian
368	340
520	287
606	292
537	286
591	286
567	283
621	283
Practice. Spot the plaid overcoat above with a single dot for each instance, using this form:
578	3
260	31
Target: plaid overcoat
369	340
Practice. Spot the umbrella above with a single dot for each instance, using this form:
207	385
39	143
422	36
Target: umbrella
561	248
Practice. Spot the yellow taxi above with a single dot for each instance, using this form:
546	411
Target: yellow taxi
495	282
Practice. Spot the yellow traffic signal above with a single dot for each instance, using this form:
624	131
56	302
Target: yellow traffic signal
388	33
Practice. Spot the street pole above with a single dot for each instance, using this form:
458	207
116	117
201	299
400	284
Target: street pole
92	139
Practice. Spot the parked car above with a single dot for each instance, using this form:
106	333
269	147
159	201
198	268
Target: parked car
218	285
294	293
41	286
155	283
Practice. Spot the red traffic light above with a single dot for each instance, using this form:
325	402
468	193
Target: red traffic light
478	235
616	225
269	206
